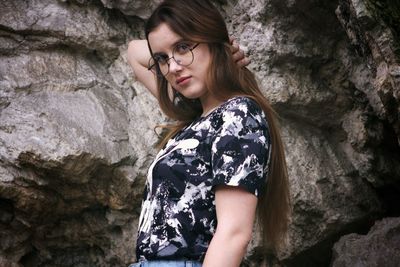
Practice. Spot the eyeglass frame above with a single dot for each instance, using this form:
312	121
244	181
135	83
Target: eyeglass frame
158	71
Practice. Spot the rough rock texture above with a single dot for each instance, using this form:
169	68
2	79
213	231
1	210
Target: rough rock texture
372	27
76	130
380	247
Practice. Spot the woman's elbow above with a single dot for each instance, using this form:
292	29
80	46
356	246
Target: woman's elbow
244	239
240	237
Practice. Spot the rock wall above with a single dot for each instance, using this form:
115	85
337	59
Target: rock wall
381	247
76	129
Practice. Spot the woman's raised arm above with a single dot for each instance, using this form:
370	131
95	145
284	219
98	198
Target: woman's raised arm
138	58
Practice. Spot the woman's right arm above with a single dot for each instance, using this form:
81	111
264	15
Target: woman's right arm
138	59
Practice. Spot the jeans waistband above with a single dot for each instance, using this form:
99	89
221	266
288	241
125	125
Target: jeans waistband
166	264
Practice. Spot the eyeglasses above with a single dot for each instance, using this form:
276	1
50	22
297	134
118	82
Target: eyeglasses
182	54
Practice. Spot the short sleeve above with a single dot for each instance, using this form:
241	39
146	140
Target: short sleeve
241	147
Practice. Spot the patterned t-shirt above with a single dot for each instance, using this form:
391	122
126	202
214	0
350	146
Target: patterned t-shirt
230	146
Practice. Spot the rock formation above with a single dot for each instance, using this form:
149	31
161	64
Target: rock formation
76	129
381	247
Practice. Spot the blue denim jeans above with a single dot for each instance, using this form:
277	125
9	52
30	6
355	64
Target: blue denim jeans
166	264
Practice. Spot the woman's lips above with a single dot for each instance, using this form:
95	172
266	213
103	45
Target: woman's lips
183	80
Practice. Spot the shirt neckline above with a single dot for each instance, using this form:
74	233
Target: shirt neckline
219	106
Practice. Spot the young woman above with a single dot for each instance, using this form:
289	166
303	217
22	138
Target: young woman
222	162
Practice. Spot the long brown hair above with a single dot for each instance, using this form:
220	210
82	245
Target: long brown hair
199	21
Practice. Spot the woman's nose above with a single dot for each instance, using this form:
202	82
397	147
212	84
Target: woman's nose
174	66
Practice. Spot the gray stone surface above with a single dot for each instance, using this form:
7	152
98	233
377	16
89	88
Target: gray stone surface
77	130
380	247
38	25
141	9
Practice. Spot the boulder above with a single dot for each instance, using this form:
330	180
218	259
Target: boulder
379	247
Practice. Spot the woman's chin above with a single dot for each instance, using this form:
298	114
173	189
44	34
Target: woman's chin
190	95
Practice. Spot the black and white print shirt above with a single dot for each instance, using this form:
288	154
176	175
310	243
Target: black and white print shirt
229	146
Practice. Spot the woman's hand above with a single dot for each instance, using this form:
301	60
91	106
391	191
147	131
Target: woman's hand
238	54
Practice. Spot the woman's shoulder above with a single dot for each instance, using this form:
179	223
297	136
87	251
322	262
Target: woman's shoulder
242	103
239	110
242	106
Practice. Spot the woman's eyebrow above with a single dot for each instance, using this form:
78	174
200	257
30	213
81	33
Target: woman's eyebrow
172	46
180	40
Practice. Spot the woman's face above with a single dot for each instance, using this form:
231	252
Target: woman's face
187	80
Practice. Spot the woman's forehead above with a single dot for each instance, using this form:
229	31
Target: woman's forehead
162	38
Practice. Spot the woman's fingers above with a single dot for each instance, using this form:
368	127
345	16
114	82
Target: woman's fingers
238	54
234	46
243	62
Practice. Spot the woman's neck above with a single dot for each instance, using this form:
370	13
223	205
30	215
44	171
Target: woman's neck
209	103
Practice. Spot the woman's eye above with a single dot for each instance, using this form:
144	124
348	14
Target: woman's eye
182	48
161	60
